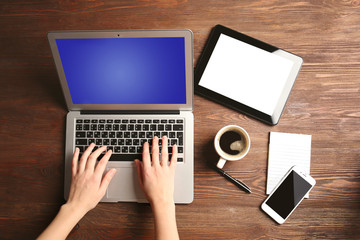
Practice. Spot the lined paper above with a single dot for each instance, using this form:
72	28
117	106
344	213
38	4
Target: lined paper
285	151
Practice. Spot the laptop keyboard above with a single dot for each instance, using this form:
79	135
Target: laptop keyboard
126	137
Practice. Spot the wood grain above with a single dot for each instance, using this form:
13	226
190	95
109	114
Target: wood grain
324	103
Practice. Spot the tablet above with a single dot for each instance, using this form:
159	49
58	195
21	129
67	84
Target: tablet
246	74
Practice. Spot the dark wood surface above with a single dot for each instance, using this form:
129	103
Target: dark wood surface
324	103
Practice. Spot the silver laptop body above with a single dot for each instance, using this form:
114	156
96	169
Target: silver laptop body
142	76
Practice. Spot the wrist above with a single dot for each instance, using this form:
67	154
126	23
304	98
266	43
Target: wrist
162	204
163	209
73	210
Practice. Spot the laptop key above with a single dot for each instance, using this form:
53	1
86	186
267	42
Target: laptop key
81	142
81	148
113	142
139	149
97	135
80	134
104	135
130	157
117	149
178	127
121	141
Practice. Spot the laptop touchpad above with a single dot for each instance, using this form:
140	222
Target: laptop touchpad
125	185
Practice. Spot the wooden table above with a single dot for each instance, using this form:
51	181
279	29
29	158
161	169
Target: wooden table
324	103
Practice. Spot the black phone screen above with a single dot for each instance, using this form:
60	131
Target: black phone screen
288	194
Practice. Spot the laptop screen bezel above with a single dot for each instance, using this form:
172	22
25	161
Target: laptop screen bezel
185	33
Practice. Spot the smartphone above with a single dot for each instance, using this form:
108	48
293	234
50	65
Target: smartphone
288	194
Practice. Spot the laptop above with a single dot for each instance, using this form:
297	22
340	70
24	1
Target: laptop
122	88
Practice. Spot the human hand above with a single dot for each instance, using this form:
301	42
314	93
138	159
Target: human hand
88	185
87	188
156	177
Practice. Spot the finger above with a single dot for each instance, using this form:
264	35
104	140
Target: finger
164	151
106	181
173	159
100	168
155	151
139	169
84	157
90	164
75	161
146	155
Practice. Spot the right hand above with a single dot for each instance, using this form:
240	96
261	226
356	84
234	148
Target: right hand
156	177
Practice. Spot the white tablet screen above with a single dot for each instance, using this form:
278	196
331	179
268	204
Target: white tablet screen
247	74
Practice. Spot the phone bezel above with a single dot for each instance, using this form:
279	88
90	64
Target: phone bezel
271	212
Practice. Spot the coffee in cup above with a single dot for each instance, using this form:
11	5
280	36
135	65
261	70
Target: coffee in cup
231	143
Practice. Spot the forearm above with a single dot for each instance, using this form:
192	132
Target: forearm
165	221
63	223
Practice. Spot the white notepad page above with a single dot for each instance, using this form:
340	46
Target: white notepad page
246	74
285	151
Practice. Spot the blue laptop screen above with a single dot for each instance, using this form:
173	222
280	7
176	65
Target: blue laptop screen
124	70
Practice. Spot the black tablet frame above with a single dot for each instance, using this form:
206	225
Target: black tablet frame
204	59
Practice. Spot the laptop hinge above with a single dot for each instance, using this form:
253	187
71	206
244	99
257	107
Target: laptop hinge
130	112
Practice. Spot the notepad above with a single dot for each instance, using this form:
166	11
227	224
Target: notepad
285	151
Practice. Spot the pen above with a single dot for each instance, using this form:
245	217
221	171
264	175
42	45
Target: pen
235	181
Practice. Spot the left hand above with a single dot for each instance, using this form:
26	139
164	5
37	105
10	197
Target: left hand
88	185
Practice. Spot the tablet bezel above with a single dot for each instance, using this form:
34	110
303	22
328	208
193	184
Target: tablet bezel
205	57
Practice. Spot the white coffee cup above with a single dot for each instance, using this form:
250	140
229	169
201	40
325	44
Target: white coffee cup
231	143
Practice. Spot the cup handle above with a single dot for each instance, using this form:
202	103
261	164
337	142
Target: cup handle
221	163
